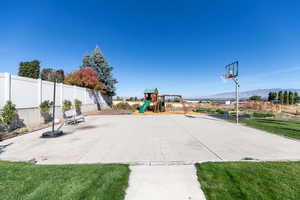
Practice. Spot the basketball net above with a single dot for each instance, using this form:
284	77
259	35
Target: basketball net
224	78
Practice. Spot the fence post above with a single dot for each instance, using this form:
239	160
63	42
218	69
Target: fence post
7	87
39	93
61	94
74	93
85	96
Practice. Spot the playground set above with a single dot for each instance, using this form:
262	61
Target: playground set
157	103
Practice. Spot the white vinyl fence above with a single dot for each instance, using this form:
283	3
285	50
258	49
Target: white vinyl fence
27	93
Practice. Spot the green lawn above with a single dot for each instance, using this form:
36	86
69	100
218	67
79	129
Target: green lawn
281	127
35	182
250	180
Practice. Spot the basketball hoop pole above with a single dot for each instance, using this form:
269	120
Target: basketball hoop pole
53	133
237	86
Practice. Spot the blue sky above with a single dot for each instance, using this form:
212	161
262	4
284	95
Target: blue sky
177	46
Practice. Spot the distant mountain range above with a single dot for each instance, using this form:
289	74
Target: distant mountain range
246	94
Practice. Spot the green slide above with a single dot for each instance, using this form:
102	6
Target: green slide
144	106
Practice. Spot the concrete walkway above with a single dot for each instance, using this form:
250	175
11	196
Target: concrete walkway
164	183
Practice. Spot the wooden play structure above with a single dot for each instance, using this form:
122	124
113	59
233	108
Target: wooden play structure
158	103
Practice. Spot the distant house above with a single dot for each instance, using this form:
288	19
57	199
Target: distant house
191	101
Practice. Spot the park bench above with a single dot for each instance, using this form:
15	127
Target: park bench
72	117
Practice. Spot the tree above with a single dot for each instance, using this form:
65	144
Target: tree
291	98
118	98
30	69
296	97
132	99
256	98
272	96
84	77
280	97
285	97
48	74
98	63
60	76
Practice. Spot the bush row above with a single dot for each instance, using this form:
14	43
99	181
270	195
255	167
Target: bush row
126	106
9	118
233	113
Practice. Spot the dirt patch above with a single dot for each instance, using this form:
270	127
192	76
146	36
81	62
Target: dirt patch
109	112
166	113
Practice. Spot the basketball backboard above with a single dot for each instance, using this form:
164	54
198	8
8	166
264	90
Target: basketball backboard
232	70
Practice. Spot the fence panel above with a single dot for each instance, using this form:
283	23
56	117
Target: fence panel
24	92
68	93
29	93
90	98
47	92
80	94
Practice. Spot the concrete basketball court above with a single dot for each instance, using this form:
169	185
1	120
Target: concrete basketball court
160	148
151	140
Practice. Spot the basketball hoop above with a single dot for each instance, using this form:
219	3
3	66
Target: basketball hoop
232	72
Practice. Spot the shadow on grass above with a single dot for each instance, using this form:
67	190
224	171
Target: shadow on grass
226	116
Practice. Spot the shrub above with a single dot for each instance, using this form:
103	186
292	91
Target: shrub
67	105
201	110
220	111
136	106
84	77
210	110
123	106
23	131
255	98
78	104
263	115
8	113
45	110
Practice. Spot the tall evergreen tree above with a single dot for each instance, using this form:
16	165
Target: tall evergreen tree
296	97
98	63
269	96
291	98
280	97
285	97
272	96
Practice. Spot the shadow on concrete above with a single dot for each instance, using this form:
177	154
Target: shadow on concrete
201	117
87	127
3	147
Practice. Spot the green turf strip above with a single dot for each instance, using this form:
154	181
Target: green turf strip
286	128
54	182
250	180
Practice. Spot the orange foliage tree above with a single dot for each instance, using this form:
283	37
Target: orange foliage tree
84	77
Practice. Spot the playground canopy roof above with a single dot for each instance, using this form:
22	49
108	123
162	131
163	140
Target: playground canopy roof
151	90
